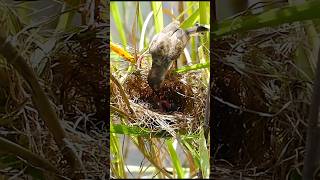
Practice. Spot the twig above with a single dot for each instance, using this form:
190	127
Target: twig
252	111
34	159
123	94
122	113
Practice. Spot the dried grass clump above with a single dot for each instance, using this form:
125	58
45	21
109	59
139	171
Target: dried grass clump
74	80
181	107
79	85
79	71
261	103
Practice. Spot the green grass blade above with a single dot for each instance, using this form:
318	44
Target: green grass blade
191	20
65	19
185	69
191	8
175	159
188	10
204	11
117	162
156	7
274	17
118	22
204	156
11	22
193	52
192	150
140	17
143	32
304	64
24	12
204	59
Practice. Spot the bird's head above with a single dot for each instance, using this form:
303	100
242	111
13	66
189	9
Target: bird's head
158	71
154	83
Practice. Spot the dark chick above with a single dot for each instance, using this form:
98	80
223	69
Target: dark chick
165	48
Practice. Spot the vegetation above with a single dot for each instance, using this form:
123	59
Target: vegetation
264	68
51	100
264	65
171	143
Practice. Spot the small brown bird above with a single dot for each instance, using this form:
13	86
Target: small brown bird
166	47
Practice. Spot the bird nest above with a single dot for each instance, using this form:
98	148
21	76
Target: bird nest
178	107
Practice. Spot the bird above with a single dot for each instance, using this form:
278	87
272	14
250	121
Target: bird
166	47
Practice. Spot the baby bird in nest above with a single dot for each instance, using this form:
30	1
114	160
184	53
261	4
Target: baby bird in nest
166	47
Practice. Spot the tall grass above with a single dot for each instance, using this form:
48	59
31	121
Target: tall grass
160	146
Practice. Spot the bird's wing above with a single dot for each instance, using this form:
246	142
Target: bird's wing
154	40
181	35
165	34
172	27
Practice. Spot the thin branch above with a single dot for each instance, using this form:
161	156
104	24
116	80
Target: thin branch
123	94
34	159
250	110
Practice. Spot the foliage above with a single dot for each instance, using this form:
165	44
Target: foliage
48	123
143	137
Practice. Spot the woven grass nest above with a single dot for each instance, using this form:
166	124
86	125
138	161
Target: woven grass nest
179	106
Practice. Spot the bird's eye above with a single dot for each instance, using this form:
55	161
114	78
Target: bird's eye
161	46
